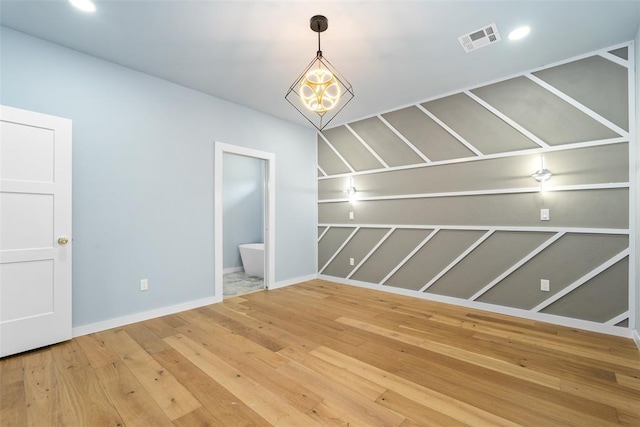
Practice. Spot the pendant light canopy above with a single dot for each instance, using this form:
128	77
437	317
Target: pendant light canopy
320	92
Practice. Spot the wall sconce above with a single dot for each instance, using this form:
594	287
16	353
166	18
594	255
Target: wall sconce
320	92
351	191
541	175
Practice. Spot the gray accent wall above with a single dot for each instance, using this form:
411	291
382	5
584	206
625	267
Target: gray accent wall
446	205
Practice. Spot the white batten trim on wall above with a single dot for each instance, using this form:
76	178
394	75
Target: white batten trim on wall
547	189
516	266
322	171
367	146
145	315
632	185
406	141
409	256
624	231
324	232
375	248
619	318
634	175
613	58
581	281
337	152
527	152
506	119
581	107
462	256
601	52
526	314
353	233
452	132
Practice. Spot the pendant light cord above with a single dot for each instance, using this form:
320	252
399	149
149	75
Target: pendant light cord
319	50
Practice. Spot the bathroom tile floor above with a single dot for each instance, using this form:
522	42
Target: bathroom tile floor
240	283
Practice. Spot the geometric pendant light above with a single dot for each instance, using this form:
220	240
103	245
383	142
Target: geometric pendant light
320	92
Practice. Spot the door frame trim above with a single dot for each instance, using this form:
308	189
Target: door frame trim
269	213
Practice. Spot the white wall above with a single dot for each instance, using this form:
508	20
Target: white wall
143	153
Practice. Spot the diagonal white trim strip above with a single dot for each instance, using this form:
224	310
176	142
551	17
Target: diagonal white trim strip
408	257
564	147
375	248
337	152
367	146
613	58
441	95
353	233
402	137
322	171
463	255
581	187
324	232
451	131
581	281
589	112
517	265
507	119
619	318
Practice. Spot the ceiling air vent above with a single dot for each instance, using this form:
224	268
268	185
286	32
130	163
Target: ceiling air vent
480	38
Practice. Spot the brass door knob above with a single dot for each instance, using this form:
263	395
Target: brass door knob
63	240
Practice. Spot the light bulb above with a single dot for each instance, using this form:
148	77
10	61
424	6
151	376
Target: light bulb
519	33
319	90
84	5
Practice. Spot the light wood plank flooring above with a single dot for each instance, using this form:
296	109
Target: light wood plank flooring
320	353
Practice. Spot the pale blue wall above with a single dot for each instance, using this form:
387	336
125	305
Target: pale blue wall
243	205
143	153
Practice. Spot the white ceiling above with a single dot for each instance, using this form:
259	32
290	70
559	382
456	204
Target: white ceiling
393	52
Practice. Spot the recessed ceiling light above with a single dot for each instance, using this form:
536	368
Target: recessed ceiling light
519	33
84	5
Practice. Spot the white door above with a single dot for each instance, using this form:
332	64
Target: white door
35	220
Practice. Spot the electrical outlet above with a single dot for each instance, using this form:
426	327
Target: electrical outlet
350	215
544	285
351	262
144	284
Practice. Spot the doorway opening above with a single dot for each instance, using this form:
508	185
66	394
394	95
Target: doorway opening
244	219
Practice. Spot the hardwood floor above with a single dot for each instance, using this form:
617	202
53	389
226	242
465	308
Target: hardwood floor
321	353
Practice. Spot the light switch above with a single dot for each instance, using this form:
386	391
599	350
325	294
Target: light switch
351	262
544	214
544	285
350	215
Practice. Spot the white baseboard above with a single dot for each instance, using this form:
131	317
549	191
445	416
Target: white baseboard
289	282
542	317
164	311
139	317
636	338
232	270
